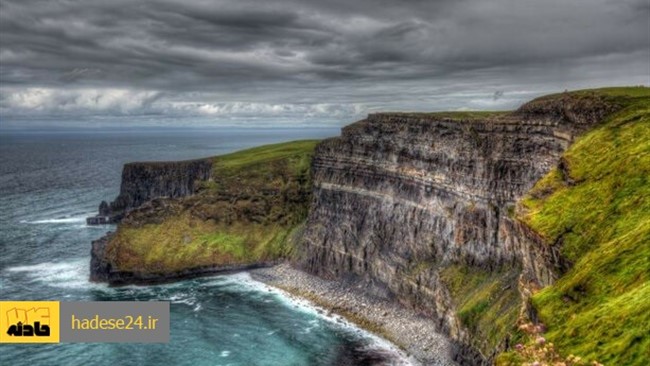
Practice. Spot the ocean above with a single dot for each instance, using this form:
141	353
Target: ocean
50	181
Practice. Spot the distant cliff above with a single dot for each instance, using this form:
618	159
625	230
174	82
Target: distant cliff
144	181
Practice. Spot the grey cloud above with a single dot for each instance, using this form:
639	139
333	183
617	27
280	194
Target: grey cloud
358	55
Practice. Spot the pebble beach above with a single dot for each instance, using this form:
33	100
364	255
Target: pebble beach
414	334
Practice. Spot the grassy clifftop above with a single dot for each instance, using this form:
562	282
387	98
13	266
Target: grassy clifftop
246	212
596	207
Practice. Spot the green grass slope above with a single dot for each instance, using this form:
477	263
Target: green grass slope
598	210
487	303
247	212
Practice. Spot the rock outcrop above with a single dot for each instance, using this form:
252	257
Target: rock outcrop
400	197
174	218
100	268
144	181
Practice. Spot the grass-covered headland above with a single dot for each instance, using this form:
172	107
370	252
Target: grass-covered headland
247	212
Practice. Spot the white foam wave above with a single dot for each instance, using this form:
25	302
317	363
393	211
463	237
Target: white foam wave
60	220
247	283
184	298
72	274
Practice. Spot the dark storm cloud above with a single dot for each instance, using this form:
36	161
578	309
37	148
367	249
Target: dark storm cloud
309	58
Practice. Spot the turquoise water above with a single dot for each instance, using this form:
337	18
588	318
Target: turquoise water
49	183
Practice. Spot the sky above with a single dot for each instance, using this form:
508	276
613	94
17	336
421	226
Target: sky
307	62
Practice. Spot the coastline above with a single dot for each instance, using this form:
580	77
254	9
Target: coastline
414	334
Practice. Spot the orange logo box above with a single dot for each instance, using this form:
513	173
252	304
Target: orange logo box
29	322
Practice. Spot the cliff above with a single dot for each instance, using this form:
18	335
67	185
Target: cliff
144	181
187	219
594	209
422	208
486	223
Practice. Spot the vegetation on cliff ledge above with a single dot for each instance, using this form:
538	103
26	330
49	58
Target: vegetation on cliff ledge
487	302
248	212
597	208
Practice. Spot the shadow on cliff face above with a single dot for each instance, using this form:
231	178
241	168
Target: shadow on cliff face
357	354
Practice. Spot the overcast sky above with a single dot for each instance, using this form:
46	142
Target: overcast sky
308	61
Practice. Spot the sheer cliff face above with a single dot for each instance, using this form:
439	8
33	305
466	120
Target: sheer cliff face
400	197
142	182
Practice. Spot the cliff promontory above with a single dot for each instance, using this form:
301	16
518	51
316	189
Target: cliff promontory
208	216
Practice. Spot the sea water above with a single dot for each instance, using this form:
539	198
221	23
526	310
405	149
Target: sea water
51	181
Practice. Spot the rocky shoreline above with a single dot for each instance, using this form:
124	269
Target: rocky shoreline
415	334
